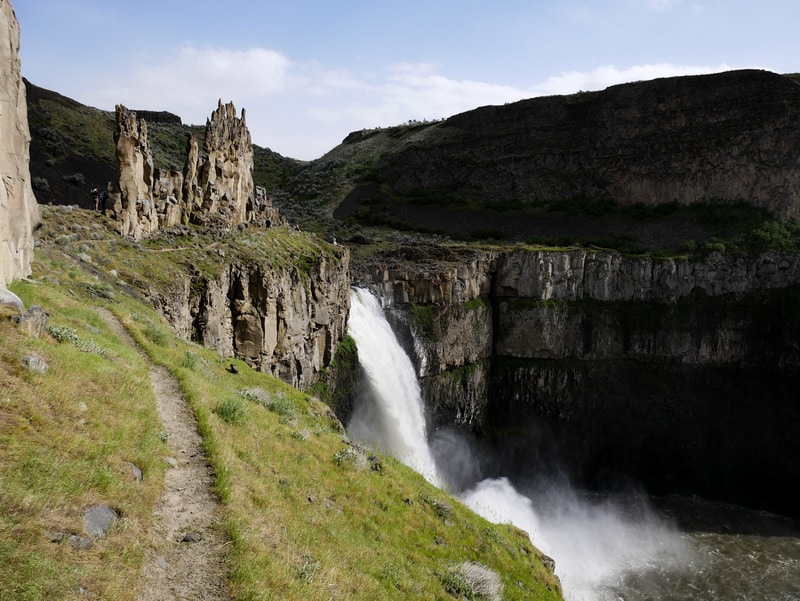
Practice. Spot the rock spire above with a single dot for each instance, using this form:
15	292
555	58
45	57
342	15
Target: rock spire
215	189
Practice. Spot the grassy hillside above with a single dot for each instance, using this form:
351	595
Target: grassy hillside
308	514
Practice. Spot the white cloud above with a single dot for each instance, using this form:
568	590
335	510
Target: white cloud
304	110
609	75
192	80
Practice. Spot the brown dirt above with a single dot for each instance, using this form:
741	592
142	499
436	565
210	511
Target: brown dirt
174	569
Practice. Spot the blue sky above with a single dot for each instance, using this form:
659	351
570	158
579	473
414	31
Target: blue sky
309	72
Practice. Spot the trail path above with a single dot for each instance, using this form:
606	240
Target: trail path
187	561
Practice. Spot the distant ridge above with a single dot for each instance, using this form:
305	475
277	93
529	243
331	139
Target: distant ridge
159	117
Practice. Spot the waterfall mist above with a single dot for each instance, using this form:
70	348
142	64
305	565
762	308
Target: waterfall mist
595	543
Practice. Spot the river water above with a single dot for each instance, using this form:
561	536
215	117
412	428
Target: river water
624	547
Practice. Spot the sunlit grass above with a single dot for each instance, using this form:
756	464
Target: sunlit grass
300	522
66	437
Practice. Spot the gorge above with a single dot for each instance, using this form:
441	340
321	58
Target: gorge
672	367
605	546
622	364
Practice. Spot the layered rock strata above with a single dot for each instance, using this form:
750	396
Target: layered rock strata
679	373
278	320
726	137
19	213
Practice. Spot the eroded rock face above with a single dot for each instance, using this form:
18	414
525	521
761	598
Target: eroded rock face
680	373
19	213
219	188
215	189
278	320
132	198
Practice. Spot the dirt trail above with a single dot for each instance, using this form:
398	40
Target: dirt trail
187	560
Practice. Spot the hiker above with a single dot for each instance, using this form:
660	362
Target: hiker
95	196
103	199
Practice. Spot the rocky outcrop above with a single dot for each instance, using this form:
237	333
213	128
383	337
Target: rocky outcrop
215	189
279	320
219	187
609	276
132	198
19	213
680	373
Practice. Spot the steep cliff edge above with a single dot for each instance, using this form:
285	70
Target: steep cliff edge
19	213
628	162
679	373
285	321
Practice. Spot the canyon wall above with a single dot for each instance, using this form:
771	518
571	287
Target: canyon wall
724	137
19	213
279	320
679	373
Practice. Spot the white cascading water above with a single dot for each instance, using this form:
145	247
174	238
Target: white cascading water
594	545
390	413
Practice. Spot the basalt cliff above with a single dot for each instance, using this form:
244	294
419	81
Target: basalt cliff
678	373
515	171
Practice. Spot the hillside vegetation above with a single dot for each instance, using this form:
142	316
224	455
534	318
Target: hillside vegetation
450	178
308	513
72	149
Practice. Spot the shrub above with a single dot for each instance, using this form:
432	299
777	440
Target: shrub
231	411
191	361
65	334
278	403
156	335
76	179
473	581
775	235
40	184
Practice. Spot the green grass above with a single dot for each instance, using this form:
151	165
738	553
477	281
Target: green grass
65	439
306	513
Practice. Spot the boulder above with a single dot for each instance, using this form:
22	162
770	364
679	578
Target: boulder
98	520
10	303
34	363
33	322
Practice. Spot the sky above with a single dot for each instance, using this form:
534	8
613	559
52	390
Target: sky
310	72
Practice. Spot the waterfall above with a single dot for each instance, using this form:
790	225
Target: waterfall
595	545
388	412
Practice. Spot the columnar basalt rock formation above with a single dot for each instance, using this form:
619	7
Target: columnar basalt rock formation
681	373
19	213
277	319
215	189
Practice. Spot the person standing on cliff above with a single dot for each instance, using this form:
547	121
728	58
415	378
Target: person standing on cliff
96	197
